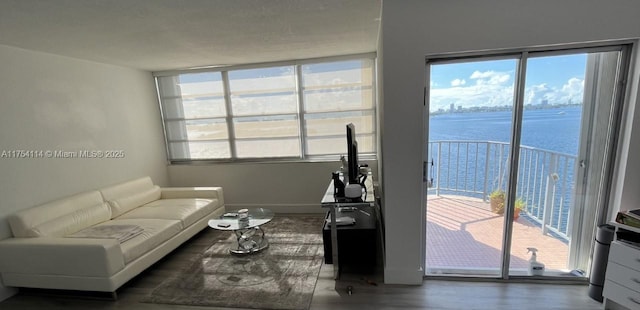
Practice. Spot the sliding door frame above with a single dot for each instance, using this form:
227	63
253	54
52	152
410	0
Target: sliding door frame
522	56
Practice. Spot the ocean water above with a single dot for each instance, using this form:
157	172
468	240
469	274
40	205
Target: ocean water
556	129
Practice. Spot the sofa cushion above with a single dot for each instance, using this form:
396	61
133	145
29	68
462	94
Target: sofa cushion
128	203
154	233
127	188
187	210
130	194
72	222
60	217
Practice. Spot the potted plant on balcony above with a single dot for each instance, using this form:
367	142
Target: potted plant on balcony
496	199
520	204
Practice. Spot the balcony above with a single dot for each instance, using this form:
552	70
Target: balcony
463	233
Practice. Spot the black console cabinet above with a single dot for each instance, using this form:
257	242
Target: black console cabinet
356	243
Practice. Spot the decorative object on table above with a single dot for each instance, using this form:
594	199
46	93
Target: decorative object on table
281	277
243	216
338	185
353	191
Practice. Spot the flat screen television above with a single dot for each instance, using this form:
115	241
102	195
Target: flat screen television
352	155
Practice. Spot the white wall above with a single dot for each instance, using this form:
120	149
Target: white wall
412	29
49	102
293	187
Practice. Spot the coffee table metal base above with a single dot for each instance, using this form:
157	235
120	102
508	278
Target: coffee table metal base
250	240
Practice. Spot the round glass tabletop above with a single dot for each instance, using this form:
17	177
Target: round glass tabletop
232	221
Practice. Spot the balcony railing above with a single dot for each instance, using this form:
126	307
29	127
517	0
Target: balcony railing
477	168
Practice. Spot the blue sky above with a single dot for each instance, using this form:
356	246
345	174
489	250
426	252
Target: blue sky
556	79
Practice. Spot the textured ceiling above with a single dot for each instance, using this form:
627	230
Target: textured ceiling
159	35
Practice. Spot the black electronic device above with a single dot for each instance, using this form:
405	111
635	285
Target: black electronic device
352	155
338	186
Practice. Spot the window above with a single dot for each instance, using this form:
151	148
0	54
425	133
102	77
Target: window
291	111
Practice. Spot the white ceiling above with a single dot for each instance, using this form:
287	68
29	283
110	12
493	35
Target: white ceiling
160	35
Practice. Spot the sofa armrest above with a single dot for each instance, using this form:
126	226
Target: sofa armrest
193	192
61	256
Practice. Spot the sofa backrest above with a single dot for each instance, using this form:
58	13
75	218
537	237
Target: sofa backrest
125	196
60	217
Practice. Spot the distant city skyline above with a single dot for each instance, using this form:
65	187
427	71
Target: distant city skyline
550	80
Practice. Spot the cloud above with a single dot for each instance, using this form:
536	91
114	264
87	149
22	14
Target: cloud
497	89
570	92
482	75
458	82
573	87
536	93
490	77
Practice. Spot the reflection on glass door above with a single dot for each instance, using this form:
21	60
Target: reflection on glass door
470	125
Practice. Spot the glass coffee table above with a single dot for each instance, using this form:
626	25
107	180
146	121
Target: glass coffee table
249	234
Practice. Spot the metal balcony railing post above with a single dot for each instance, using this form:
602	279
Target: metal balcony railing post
485	190
500	166
550	192
438	169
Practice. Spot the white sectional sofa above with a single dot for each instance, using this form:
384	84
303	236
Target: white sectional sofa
70	243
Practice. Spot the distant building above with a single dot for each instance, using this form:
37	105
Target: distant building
452	108
545	102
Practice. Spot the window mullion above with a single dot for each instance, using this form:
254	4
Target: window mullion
229	117
301	126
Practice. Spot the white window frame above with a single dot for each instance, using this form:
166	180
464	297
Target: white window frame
300	114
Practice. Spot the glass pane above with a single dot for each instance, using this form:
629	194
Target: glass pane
268	148
338	145
471	105
266	127
197	85
327	130
191	96
204	107
265	91
562	93
338	86
551	120
199	150
210	129
324	124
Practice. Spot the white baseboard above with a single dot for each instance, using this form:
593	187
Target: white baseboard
403	276
279	208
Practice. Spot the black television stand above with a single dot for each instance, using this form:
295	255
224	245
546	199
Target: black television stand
351	237
356	242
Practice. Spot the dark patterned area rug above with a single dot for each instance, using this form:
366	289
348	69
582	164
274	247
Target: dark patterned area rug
282	276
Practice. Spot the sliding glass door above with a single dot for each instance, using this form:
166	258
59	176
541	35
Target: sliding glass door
519	156
470	130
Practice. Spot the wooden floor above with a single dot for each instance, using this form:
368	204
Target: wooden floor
369	292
